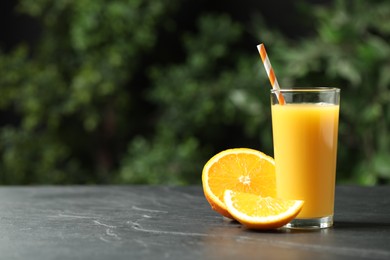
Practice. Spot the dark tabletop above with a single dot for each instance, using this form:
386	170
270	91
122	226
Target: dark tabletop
147	222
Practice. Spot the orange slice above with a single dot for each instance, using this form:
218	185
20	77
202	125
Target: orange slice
238	169
258	212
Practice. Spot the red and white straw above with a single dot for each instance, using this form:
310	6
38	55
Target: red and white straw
270	73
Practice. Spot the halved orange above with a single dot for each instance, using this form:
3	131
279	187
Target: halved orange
238	169
258	212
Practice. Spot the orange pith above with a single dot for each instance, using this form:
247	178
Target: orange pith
239	169
258	212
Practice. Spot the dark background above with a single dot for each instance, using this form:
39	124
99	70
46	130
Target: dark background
96	92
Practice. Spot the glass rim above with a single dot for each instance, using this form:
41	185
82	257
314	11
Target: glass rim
306	90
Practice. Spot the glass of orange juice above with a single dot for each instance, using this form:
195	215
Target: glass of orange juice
305	129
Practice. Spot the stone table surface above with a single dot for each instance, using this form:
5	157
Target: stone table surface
161	222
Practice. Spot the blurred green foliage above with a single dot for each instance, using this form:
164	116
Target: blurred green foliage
123	92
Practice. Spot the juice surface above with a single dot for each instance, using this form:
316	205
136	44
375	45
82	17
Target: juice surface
305	147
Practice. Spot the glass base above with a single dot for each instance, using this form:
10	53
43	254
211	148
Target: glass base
311	223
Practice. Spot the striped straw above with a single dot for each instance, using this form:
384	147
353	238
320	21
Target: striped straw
270	73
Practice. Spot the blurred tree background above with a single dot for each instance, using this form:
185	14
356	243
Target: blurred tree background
138	91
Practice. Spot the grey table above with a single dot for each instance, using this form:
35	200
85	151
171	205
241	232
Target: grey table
155	222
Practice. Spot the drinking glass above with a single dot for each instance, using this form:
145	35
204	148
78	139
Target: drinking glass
305	129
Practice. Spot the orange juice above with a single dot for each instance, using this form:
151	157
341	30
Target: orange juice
305	147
